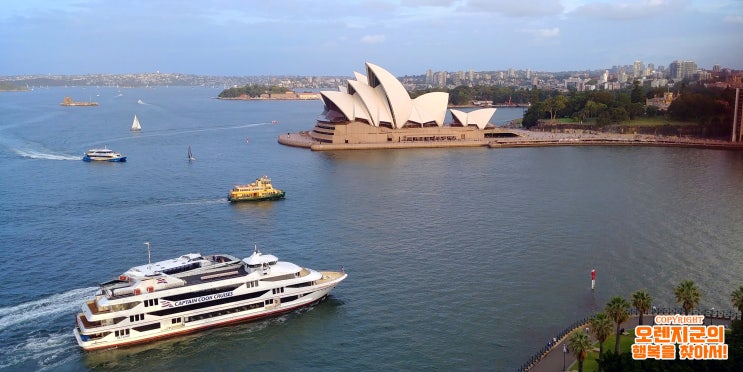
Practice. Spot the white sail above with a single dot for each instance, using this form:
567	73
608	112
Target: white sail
190	154
135	124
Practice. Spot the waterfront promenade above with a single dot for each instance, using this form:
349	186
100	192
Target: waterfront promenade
522	138
553	358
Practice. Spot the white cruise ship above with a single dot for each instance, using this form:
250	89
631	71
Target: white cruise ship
195	292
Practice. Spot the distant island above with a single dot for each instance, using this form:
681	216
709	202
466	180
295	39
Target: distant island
6	87
264	92
69	102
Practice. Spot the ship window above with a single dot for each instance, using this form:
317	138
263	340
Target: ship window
147	327
152	302
136	317
175	320
229	311
278	290
299	285
122	333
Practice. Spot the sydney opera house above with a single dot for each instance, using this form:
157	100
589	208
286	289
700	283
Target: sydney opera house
376	111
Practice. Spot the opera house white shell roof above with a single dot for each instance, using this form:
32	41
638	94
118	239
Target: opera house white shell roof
479	117
379	99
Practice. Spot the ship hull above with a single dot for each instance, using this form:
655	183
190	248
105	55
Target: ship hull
110	160
256	198
188	330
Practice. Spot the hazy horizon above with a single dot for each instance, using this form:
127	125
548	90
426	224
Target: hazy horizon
406	37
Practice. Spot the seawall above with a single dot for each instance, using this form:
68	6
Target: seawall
521	138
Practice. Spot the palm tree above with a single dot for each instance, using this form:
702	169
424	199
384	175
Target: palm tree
617	309
642	301
601	329
737	298
579	343
688	294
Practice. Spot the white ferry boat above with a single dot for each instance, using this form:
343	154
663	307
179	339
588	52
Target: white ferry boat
104	154
195	292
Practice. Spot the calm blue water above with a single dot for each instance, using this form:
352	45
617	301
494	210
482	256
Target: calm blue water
463	259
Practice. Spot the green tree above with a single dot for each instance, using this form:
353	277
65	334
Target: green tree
601	328
642	301
637	95
617	309
737	298
555	104
618	114
532	115
635	109
593	108
687	293
579	344
461	95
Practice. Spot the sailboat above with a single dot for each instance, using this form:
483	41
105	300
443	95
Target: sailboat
190	154
135	124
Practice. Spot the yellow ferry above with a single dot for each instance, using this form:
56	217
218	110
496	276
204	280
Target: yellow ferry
261	189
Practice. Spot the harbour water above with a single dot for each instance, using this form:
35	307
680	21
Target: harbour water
458	259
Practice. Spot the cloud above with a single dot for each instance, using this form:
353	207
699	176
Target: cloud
631	9
442	3
733	19
527	8
372	39
548	33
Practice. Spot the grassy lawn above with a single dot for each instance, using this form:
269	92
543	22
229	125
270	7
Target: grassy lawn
656	121
625	345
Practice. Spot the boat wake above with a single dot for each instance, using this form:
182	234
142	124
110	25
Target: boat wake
32	154
31	312
39	352
163	133
44	347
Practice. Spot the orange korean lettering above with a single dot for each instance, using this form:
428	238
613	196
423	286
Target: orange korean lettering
679	334
668	351
697	334
662	334
717	351
686	351
716	334
654	351
639	351
643	334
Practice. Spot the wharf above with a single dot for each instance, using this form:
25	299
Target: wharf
520	138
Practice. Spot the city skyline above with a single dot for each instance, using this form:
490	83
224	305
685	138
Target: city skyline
236	38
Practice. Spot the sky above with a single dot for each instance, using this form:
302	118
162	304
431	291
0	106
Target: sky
336	37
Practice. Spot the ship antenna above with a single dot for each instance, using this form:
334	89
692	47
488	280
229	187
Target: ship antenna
149	259
255	247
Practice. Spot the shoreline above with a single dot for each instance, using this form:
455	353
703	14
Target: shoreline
521	138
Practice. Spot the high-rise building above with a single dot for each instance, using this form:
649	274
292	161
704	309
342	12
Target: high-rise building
678	69
637	69
441	81
604	77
